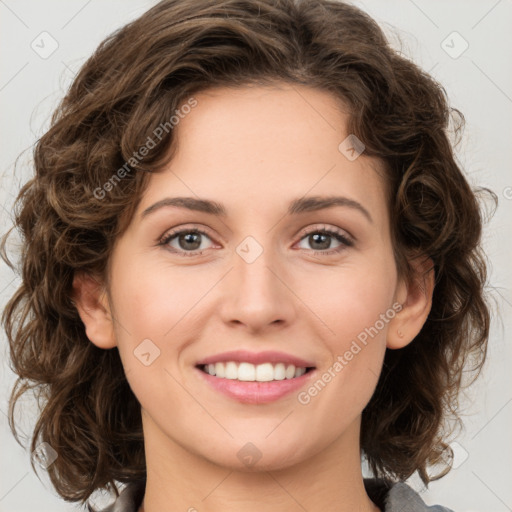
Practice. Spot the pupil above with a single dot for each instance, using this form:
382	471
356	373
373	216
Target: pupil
189	239
316	235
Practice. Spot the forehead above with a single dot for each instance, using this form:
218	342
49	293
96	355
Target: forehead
258	146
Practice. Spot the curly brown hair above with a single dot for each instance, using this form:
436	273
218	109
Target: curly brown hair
135	81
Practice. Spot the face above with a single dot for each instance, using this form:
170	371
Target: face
275	278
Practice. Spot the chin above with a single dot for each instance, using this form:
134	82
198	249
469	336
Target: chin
256	456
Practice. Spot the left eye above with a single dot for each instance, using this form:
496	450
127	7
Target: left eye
324	237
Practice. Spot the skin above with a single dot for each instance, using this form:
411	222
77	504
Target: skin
255	149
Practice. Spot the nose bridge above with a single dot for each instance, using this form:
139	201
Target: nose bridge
257	295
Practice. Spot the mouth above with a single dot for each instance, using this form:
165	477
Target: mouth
255	378
248	372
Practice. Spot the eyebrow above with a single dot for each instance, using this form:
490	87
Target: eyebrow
302	205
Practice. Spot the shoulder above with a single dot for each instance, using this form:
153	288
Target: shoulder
397	496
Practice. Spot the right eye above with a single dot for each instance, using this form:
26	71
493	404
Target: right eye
187	242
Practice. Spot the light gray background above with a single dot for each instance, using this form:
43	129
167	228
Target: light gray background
478	82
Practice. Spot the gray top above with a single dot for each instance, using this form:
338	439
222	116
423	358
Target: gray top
388	496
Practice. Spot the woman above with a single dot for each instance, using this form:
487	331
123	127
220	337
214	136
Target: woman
193	339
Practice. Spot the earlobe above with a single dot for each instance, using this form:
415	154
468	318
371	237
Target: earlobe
416	300
91	303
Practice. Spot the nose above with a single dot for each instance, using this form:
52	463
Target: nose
257	293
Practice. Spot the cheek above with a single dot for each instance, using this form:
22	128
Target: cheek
355	300
151	299
352	303
357	307
155	309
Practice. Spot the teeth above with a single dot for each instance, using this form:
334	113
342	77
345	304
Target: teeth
300	371
218	369
249	372
231	371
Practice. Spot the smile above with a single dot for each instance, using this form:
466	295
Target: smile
248	372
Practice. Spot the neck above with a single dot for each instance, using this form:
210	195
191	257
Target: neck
179	479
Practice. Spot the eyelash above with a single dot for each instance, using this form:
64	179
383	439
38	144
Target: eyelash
339	236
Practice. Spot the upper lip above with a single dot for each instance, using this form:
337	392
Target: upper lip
269	356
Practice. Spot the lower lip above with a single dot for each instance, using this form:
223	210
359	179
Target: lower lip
256	392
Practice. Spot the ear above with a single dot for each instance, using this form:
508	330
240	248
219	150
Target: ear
91	302
416	300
